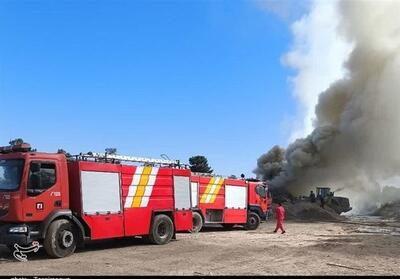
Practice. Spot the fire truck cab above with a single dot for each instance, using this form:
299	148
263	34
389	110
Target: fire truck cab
229	202
61	203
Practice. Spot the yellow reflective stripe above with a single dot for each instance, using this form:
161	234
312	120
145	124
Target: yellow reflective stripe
133	187
138	199
213	188
144	180
216	192
149	187
204	196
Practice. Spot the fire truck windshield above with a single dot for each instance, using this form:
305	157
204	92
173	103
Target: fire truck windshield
260	190
10	174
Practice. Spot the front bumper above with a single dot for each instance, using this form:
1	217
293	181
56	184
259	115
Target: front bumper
7	238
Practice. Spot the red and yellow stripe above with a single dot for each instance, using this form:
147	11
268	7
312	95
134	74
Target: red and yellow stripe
212	190
141	187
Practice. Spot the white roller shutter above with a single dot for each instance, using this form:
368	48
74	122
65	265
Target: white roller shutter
235	197
100	192
182	192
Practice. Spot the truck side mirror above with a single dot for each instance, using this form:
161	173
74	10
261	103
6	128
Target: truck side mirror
35	167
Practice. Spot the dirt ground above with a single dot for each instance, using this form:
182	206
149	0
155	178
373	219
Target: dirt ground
357	248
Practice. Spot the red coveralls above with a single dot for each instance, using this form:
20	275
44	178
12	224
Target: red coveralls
280	216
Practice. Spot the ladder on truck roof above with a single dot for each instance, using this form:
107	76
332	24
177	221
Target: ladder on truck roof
115	157
215	175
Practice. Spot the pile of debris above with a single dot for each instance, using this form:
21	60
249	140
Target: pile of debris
310	208
307	211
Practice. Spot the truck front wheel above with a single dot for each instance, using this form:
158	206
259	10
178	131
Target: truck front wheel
61	239
253	221
162	230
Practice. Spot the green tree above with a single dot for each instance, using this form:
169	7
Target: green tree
199	164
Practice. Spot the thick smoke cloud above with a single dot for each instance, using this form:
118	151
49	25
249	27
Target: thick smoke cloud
356	138
270	164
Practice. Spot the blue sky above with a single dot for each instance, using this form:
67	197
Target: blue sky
180	78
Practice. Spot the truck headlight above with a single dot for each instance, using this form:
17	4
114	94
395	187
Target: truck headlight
19	229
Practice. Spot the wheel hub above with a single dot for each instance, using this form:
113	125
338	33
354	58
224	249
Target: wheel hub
195	221
67	239
162	230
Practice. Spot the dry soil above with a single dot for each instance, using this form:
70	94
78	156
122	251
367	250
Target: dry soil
358	247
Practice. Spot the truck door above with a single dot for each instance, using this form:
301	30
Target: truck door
261	197
43	191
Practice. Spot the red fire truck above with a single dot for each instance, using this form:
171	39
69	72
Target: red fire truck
63	202
229	202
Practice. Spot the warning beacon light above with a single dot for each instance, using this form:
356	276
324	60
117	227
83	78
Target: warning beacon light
22	147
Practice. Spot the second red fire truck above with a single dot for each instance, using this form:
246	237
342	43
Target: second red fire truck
228	202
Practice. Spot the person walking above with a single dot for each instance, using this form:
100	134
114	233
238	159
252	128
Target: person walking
280	217
312	197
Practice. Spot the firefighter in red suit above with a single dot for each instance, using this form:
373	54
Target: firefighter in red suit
280	216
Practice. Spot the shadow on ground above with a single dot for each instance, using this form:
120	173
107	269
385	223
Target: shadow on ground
7	255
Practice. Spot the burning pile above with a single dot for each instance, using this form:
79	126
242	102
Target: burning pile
306	211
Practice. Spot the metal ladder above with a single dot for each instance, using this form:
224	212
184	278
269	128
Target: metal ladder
114	157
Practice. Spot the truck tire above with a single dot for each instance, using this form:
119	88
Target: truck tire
253	221
197	222
162	230
61	239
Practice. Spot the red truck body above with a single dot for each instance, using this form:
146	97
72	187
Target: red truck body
44	195
225	201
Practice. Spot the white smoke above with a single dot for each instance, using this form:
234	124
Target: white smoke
317	55
355	141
